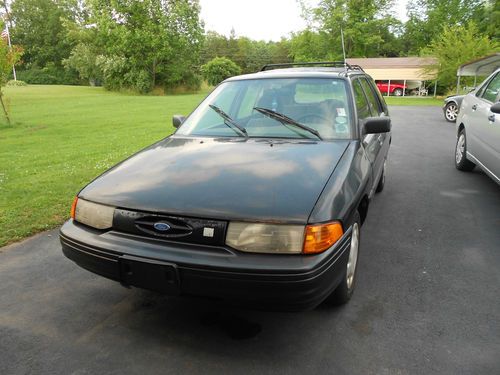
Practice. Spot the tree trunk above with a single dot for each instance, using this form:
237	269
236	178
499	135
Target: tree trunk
3	107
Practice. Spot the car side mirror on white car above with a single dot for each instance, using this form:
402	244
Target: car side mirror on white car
495	108
177	120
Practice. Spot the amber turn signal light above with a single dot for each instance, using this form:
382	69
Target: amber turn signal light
320	237
73	208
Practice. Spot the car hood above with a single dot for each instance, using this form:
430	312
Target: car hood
238	179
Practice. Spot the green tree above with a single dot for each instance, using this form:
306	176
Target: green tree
214	44
367	25
309	45
39	27
488	19
9	56
250	55
83	59
454	46
143	44
218	69
427	18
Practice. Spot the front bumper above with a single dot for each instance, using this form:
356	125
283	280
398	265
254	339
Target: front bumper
264	281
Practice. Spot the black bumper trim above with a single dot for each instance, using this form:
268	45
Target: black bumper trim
266	289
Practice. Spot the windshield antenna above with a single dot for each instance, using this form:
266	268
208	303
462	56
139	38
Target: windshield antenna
343	48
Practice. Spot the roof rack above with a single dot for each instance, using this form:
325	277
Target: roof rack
326	64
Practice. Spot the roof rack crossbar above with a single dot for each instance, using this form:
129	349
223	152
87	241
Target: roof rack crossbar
355	67
330	64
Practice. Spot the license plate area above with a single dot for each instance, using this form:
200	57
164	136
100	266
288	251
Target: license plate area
149	274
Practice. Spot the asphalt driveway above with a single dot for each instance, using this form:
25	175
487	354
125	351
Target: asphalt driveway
427	298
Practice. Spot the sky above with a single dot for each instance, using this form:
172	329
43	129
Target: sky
262	19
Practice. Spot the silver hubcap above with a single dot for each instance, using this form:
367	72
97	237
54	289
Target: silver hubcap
353	255
451	112
459	153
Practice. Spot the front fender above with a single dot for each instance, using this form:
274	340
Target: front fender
346	187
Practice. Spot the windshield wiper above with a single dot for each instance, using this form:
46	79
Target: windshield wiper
228	120
285	120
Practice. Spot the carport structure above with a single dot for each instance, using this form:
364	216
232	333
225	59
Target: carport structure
414	70
483	66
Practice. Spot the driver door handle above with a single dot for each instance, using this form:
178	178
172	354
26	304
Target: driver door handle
491	118
474	107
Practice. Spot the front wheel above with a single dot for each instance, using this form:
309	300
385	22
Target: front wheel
451	112
343	293
398	92
461	161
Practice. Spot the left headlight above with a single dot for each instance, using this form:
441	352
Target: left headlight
94	215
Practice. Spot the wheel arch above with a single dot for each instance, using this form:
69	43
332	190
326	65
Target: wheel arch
363	208
460	128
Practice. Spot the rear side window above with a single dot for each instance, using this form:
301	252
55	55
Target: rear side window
361	103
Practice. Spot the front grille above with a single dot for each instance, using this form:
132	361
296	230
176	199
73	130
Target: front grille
172	228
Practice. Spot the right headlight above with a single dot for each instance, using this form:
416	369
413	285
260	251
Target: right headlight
282	238
95	215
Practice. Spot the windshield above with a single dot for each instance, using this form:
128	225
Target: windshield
314	108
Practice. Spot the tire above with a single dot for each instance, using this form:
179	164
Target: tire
451	112
343	293
461	161
398	92
381	181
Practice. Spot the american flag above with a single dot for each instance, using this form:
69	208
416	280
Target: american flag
5	34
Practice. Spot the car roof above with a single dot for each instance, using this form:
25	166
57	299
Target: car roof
303	72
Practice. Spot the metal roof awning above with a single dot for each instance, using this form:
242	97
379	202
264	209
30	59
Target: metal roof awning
397	68
483	66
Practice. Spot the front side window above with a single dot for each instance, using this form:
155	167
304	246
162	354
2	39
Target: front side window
361	103
260	107
490	93
372	99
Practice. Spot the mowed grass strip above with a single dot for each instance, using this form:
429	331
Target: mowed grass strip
413	100
61	138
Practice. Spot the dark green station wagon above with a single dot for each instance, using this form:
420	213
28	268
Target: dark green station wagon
257	199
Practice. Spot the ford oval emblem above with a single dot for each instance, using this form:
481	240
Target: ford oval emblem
162	227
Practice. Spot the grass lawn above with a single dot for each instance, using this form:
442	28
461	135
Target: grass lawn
413	100
63	136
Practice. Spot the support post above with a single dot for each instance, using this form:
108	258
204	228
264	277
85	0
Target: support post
458	84
435	87
404	87
389	88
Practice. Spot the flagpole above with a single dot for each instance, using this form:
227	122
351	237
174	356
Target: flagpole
10	47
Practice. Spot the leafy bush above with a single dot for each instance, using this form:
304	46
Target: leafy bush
139	80
218	69
16	83
50	75
83	59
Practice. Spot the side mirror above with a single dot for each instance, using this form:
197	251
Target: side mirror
373	125
177	120
495	108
